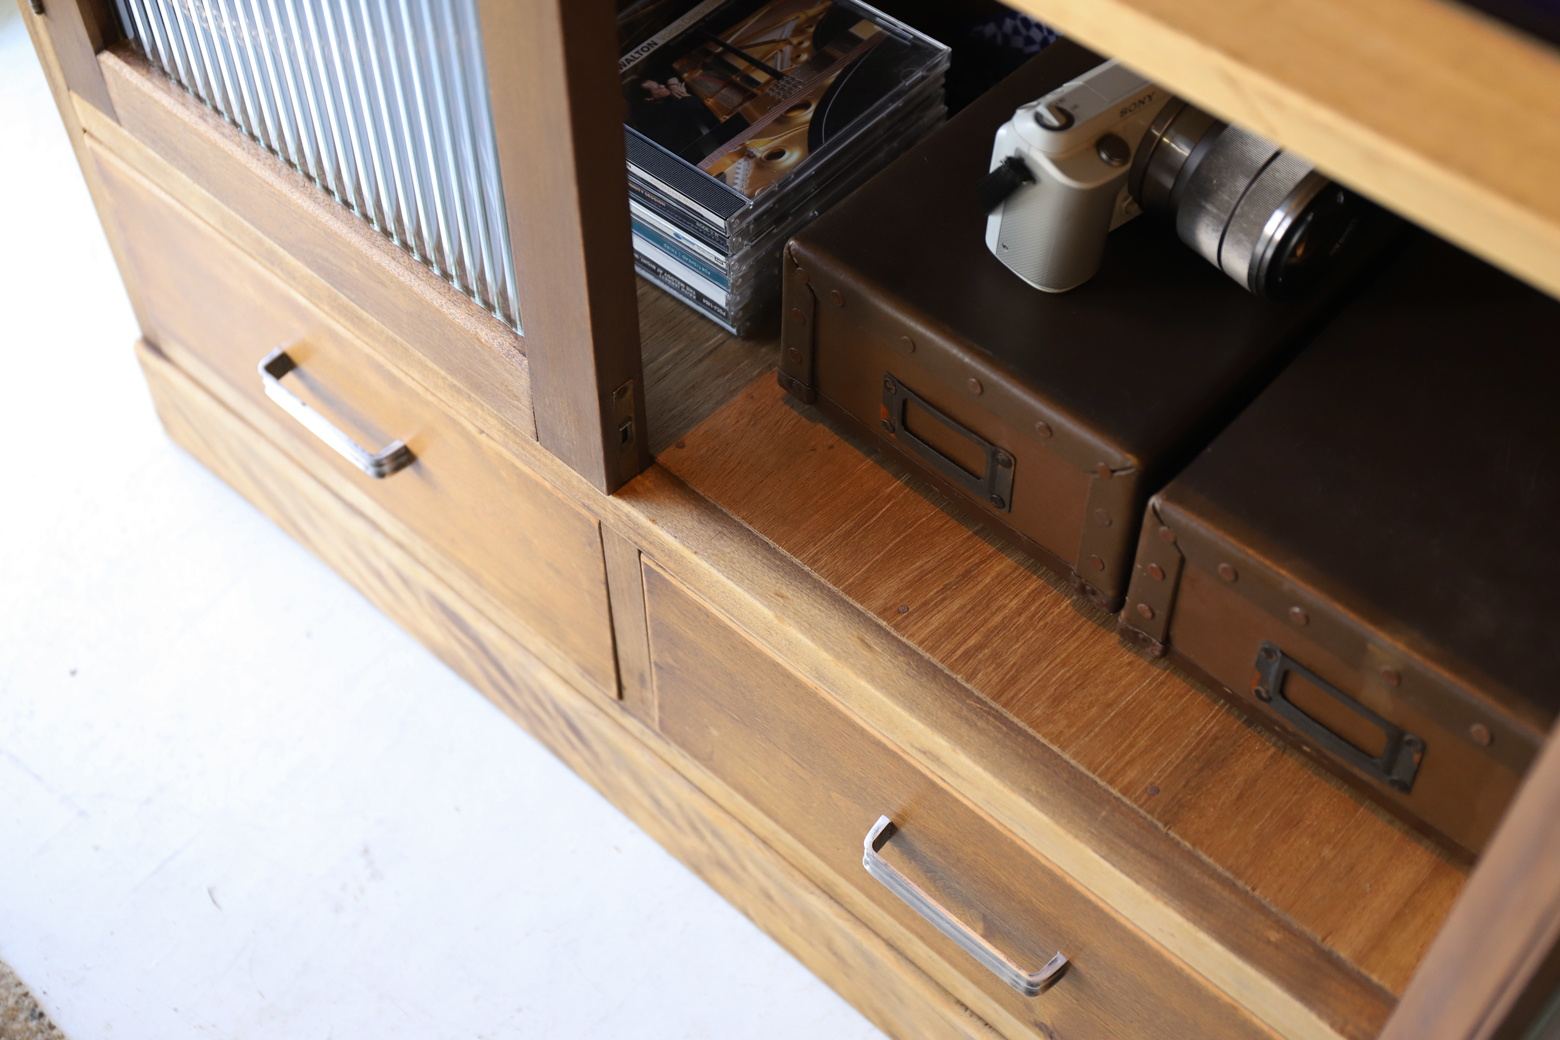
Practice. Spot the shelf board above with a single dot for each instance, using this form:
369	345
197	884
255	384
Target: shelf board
1434	109
1365	887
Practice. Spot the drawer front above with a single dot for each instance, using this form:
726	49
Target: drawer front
824	778
500	526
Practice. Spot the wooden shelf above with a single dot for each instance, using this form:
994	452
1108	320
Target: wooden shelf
1365	887
1437	111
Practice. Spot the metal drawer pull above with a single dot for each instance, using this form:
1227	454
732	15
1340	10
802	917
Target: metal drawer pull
392	457
1028	984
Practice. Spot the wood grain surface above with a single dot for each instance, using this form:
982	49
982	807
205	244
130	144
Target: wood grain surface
1433	109
463	505
610	752
1358	881
503	412
692	366
76	31
1253	954
824	778
625	587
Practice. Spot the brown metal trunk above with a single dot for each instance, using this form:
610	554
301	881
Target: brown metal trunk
1054	416
1366	559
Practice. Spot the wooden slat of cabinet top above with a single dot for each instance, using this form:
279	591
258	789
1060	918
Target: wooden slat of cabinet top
1441	113
1364	885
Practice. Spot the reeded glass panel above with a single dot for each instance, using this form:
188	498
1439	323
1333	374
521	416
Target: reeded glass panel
383	103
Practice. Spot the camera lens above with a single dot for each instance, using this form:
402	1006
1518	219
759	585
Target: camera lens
1260	214
1318	222
1175	143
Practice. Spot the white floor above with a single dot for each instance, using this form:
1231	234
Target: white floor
235	801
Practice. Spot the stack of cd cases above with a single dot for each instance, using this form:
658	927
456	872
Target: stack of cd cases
746	119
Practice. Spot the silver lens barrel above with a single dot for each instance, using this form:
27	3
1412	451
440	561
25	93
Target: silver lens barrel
1235	197
1231	197
1266	253
1175	143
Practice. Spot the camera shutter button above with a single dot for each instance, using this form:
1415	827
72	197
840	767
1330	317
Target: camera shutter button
1112	150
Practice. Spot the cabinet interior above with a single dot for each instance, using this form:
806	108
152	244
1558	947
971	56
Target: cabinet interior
1364	885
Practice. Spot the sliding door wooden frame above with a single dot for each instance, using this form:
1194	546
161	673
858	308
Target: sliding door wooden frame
558	122
76	30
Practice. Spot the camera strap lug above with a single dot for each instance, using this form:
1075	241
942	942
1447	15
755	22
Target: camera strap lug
993	189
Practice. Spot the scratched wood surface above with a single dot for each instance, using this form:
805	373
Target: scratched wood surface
1363	885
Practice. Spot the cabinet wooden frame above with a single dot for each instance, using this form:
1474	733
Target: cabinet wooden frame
585	341
75	31
1495	958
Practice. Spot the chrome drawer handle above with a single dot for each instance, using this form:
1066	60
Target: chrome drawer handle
1028	984
379	464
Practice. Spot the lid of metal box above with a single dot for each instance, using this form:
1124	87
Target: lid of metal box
1407	467
1146	361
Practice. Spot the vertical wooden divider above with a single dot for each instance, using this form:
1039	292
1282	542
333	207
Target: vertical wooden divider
1499	943
557	115
77	30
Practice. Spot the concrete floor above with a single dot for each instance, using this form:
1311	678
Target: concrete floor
235	801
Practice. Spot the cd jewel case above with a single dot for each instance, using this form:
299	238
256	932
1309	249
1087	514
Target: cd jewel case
746	118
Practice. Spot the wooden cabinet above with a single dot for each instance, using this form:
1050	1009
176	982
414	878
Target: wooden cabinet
766	639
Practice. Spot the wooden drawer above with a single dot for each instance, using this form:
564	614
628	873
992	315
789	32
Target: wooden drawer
820	775
485	521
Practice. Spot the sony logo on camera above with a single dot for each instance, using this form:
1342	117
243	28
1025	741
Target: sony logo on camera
1146	99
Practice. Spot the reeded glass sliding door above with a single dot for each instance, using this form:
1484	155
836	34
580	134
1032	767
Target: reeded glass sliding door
383	103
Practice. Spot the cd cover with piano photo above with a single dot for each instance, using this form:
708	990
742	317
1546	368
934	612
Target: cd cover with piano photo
748	91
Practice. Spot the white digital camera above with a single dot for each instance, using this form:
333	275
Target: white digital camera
1094	153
